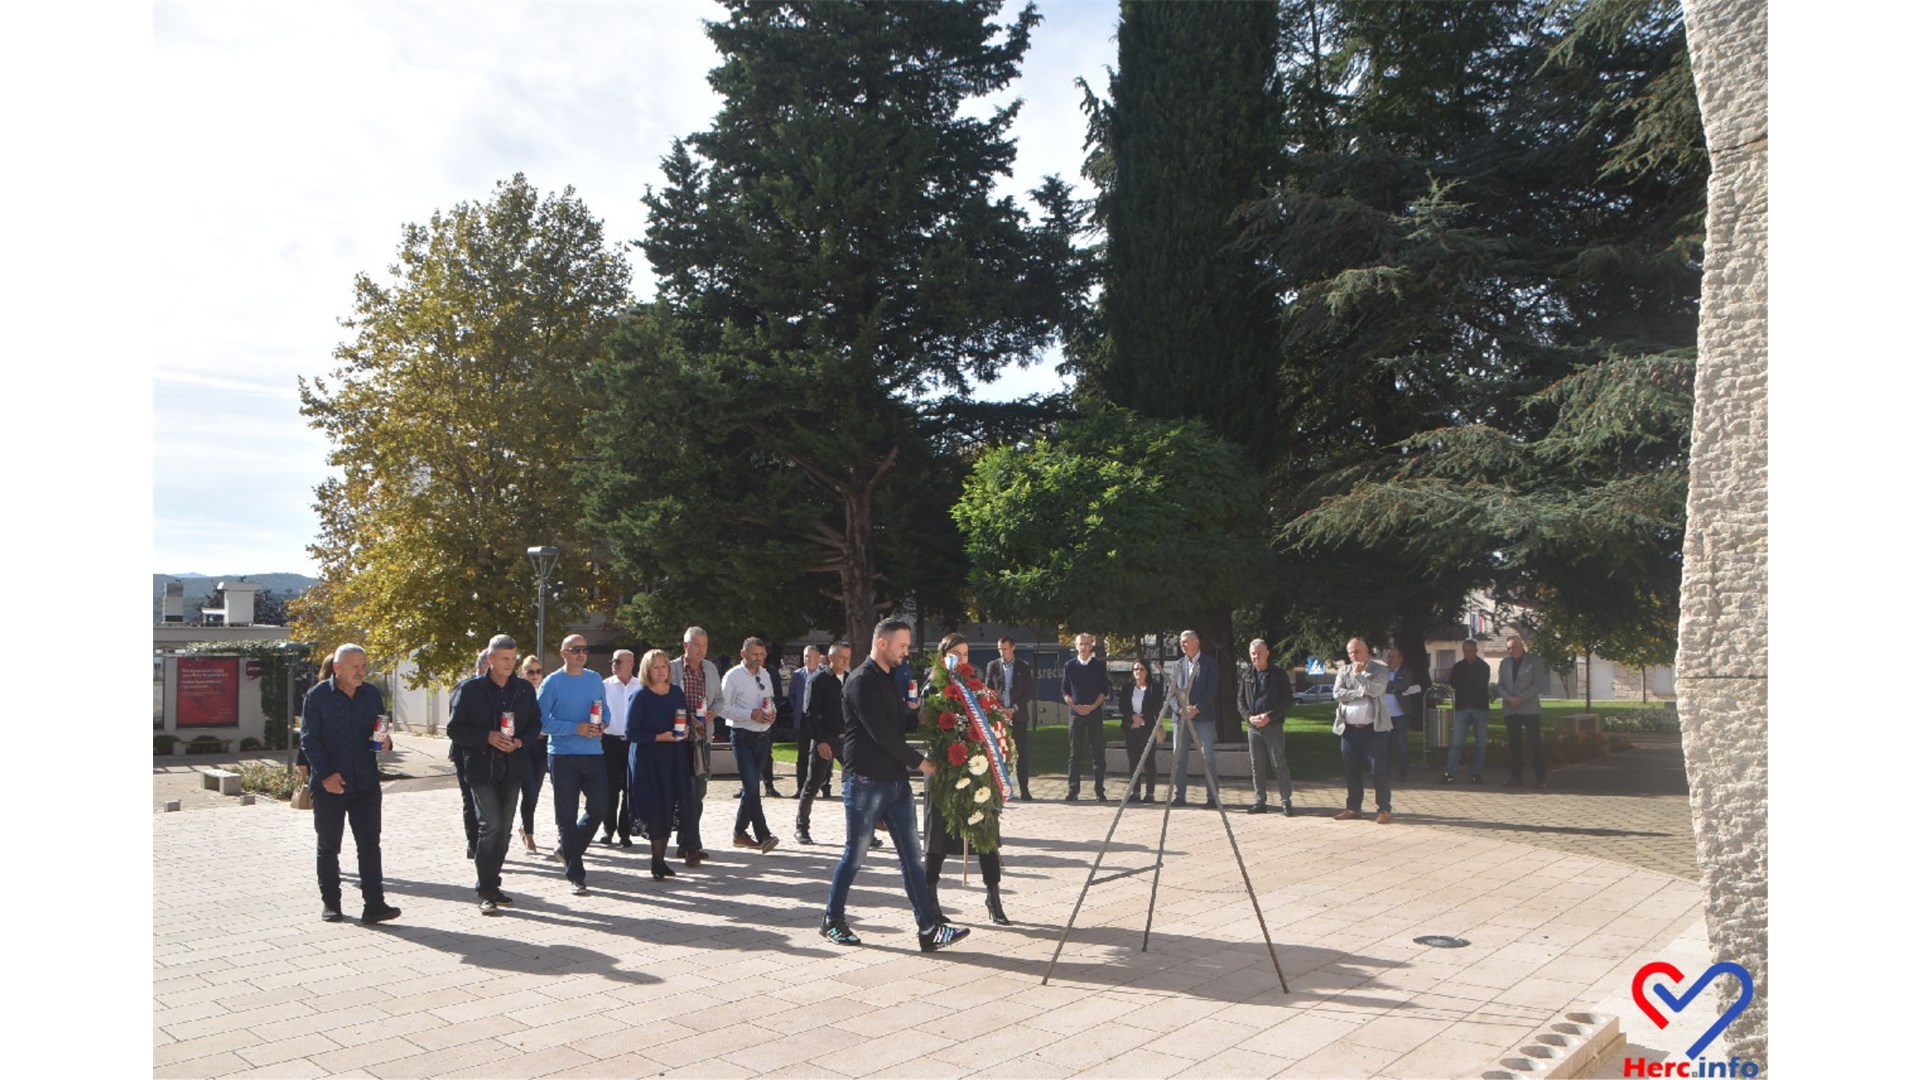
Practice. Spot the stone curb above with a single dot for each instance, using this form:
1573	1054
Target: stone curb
1569	1047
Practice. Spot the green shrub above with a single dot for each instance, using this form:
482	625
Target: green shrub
163	745
267	779
249	743
1656	718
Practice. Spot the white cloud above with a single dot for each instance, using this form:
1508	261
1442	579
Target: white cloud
293	141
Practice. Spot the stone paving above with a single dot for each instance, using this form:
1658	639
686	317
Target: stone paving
720	971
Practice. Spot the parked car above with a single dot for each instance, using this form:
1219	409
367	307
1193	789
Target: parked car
1314	694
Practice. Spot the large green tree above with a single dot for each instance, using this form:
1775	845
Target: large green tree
1114	524
831	257
453	413
1486	231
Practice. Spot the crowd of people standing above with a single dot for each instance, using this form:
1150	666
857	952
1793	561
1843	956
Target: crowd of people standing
631	753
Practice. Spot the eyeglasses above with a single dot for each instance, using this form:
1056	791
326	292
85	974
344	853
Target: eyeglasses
575	648
533	671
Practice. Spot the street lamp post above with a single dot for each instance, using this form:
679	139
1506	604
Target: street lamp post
543	560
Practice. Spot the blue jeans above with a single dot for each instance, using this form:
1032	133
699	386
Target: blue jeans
1480	718
573	776
749	751
1359	748
869	801
1204	730
1397	742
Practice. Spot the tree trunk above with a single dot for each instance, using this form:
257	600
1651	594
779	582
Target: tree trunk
1589	678
857	594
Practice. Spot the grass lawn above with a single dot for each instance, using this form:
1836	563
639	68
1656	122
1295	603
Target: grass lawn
1313	752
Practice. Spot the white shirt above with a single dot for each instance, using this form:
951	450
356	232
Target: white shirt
618	695
741	692
1139	699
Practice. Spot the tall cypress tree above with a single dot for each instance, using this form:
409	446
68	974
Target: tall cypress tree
1188	137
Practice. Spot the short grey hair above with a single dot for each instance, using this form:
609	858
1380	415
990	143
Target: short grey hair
692	632
1185	634
813	649
501	641
1258	641
341	652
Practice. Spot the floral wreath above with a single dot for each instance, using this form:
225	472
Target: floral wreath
968	745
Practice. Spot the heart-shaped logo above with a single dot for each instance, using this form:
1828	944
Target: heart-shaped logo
1659	967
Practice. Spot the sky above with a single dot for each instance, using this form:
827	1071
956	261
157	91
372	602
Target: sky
294	141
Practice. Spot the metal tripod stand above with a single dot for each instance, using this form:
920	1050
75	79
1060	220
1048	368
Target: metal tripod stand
1160	856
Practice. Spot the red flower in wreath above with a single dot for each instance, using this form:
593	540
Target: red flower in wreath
976	685
966	670
957	754
946	721
954	692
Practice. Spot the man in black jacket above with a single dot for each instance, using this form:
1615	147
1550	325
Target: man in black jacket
878	787
818	733
494	716
1012	679
1265	693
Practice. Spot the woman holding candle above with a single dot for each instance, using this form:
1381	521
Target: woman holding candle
659	761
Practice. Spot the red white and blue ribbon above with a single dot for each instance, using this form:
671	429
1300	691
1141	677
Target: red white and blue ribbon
979	728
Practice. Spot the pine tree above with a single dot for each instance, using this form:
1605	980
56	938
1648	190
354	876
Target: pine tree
832	257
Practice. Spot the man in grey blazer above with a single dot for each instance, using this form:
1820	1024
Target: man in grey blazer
1193	695
1522	680
1012	679
702	691
1361	721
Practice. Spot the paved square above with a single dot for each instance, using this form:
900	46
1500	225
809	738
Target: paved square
721	972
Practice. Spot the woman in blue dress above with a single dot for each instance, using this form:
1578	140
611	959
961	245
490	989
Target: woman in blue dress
659	765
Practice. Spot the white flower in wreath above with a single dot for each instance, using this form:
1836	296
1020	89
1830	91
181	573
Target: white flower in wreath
982	795
961	784
976	818
977	765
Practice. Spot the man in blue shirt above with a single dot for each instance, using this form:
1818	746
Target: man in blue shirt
566	704
337	735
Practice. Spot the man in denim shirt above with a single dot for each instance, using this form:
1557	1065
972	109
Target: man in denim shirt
337	735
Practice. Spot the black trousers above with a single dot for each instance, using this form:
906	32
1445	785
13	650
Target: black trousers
813	783
1020	752
1140	741
332	814
536	775
1084	735
619	807
1529	727
467	818
941	843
